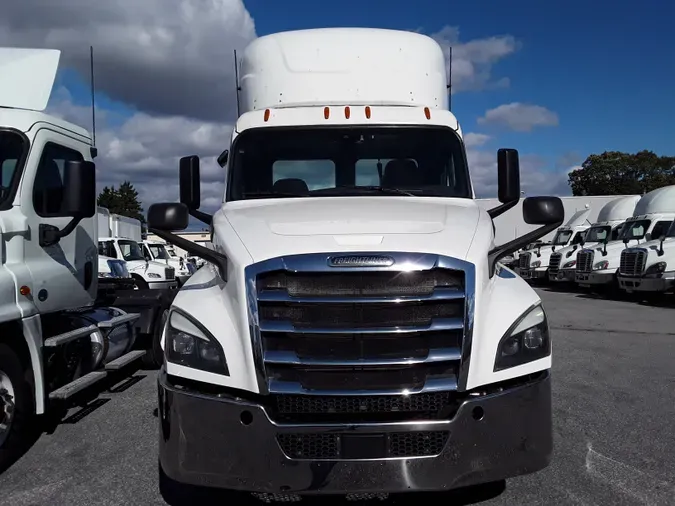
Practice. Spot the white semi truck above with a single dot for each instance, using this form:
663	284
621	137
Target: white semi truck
611	220
353	332
120	237
597	267
59	332
649	269
157	252
534	264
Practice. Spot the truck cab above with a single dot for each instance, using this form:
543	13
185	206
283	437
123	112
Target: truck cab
149	274
353	318
157	252
534	264
597	267
608	228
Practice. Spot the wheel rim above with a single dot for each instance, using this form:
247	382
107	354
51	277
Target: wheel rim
6	407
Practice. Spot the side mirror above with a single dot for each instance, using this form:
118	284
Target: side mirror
543	210
648	236
168	216
190	187
508	175
222	158
79	199
189	182
508	179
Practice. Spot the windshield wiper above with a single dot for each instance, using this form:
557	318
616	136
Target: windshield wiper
363	189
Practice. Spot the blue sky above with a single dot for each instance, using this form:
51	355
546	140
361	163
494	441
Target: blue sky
605	68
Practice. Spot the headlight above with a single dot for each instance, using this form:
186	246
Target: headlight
153	275
601	265
536	263
527	340
189	344
655	270
569	265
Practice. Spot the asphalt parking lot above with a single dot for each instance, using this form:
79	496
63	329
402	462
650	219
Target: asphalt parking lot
614	413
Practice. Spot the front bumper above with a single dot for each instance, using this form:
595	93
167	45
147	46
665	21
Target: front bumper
665	283
203	441
595	278
536	274
163	285
563	276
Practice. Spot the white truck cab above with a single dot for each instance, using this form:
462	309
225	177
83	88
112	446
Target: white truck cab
147	273
597	267
112	268
611	220
57	337
157	252
534	264
352	319
650	267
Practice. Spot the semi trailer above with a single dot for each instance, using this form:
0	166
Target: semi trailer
353	331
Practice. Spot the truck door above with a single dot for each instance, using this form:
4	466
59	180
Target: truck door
64	274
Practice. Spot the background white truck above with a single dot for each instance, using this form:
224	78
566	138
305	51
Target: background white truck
597	267
353	332
611	220
158	252
59	332
120	237
534	264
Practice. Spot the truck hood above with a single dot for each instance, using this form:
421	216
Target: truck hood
279	227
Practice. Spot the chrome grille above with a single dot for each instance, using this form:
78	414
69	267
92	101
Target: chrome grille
632	262
372	331
524	261
554	263
585	261
170	273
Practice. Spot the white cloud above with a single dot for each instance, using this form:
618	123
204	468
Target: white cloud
472	61
172	57
472	139
519	117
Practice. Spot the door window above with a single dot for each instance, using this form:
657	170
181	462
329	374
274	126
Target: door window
48	190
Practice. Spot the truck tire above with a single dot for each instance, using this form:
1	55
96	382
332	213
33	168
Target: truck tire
154	357
17	407
141	284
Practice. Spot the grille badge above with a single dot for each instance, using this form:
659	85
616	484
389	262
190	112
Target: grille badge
360	261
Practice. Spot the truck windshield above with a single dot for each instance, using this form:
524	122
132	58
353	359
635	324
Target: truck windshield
671	230
325	161
598	234
561	237
159	251
130	250
635	229
11	151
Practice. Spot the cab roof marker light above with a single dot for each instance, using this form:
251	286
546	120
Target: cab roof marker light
326	112
347	112
266	117
367	112
427	113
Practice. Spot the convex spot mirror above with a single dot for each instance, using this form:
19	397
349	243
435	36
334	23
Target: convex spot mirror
169	216
543	210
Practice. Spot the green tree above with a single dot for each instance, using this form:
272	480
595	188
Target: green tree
618	173
123	201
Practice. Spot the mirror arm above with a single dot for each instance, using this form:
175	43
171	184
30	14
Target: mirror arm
660	251
219	260
49	235
511	246
501	209
203	217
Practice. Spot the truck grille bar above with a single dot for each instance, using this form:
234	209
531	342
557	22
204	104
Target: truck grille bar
385	330
585	261
524	261
632	262
554	263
